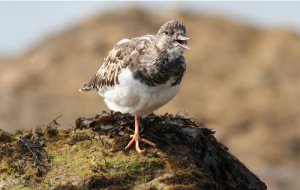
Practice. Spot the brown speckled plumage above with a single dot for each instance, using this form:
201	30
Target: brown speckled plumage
146	57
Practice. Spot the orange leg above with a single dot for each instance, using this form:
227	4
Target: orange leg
136	137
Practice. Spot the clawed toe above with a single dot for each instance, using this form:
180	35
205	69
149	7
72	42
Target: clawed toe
137	139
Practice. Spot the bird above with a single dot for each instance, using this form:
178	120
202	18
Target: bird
141	74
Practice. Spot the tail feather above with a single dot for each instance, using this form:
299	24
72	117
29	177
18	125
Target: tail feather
86	87
90	85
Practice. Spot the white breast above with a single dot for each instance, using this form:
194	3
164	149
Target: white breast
132	96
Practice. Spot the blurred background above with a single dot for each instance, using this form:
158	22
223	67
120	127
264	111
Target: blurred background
242	80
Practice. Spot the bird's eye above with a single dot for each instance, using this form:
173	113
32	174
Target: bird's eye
166	33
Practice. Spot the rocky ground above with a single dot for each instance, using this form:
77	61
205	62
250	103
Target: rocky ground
241	81
92	156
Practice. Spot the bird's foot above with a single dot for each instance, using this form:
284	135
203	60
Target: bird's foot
136	138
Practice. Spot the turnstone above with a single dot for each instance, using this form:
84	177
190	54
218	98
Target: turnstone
141	74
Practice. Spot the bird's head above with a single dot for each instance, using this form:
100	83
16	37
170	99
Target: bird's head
172	37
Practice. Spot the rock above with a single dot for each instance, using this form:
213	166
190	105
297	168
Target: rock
92	156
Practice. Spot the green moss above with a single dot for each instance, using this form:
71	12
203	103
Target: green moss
83	160
121	168
85	164
134	165
19	187
73	161
4	170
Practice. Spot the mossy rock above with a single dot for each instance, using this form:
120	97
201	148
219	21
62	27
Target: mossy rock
92	156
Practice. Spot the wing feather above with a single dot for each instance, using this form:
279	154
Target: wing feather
114	62
125	52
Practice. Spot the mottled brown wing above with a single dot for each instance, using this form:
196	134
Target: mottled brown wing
114	62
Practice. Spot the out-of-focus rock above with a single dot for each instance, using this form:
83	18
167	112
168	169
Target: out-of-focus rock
245	80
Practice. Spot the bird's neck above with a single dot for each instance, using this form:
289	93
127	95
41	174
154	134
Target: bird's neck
171	50
174	52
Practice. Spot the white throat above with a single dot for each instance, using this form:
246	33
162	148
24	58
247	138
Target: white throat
175	51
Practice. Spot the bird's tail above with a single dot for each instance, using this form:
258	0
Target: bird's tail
86	87
90	85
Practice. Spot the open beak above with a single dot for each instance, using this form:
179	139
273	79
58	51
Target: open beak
182	41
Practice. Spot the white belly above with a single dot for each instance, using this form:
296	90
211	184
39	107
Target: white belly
132	96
